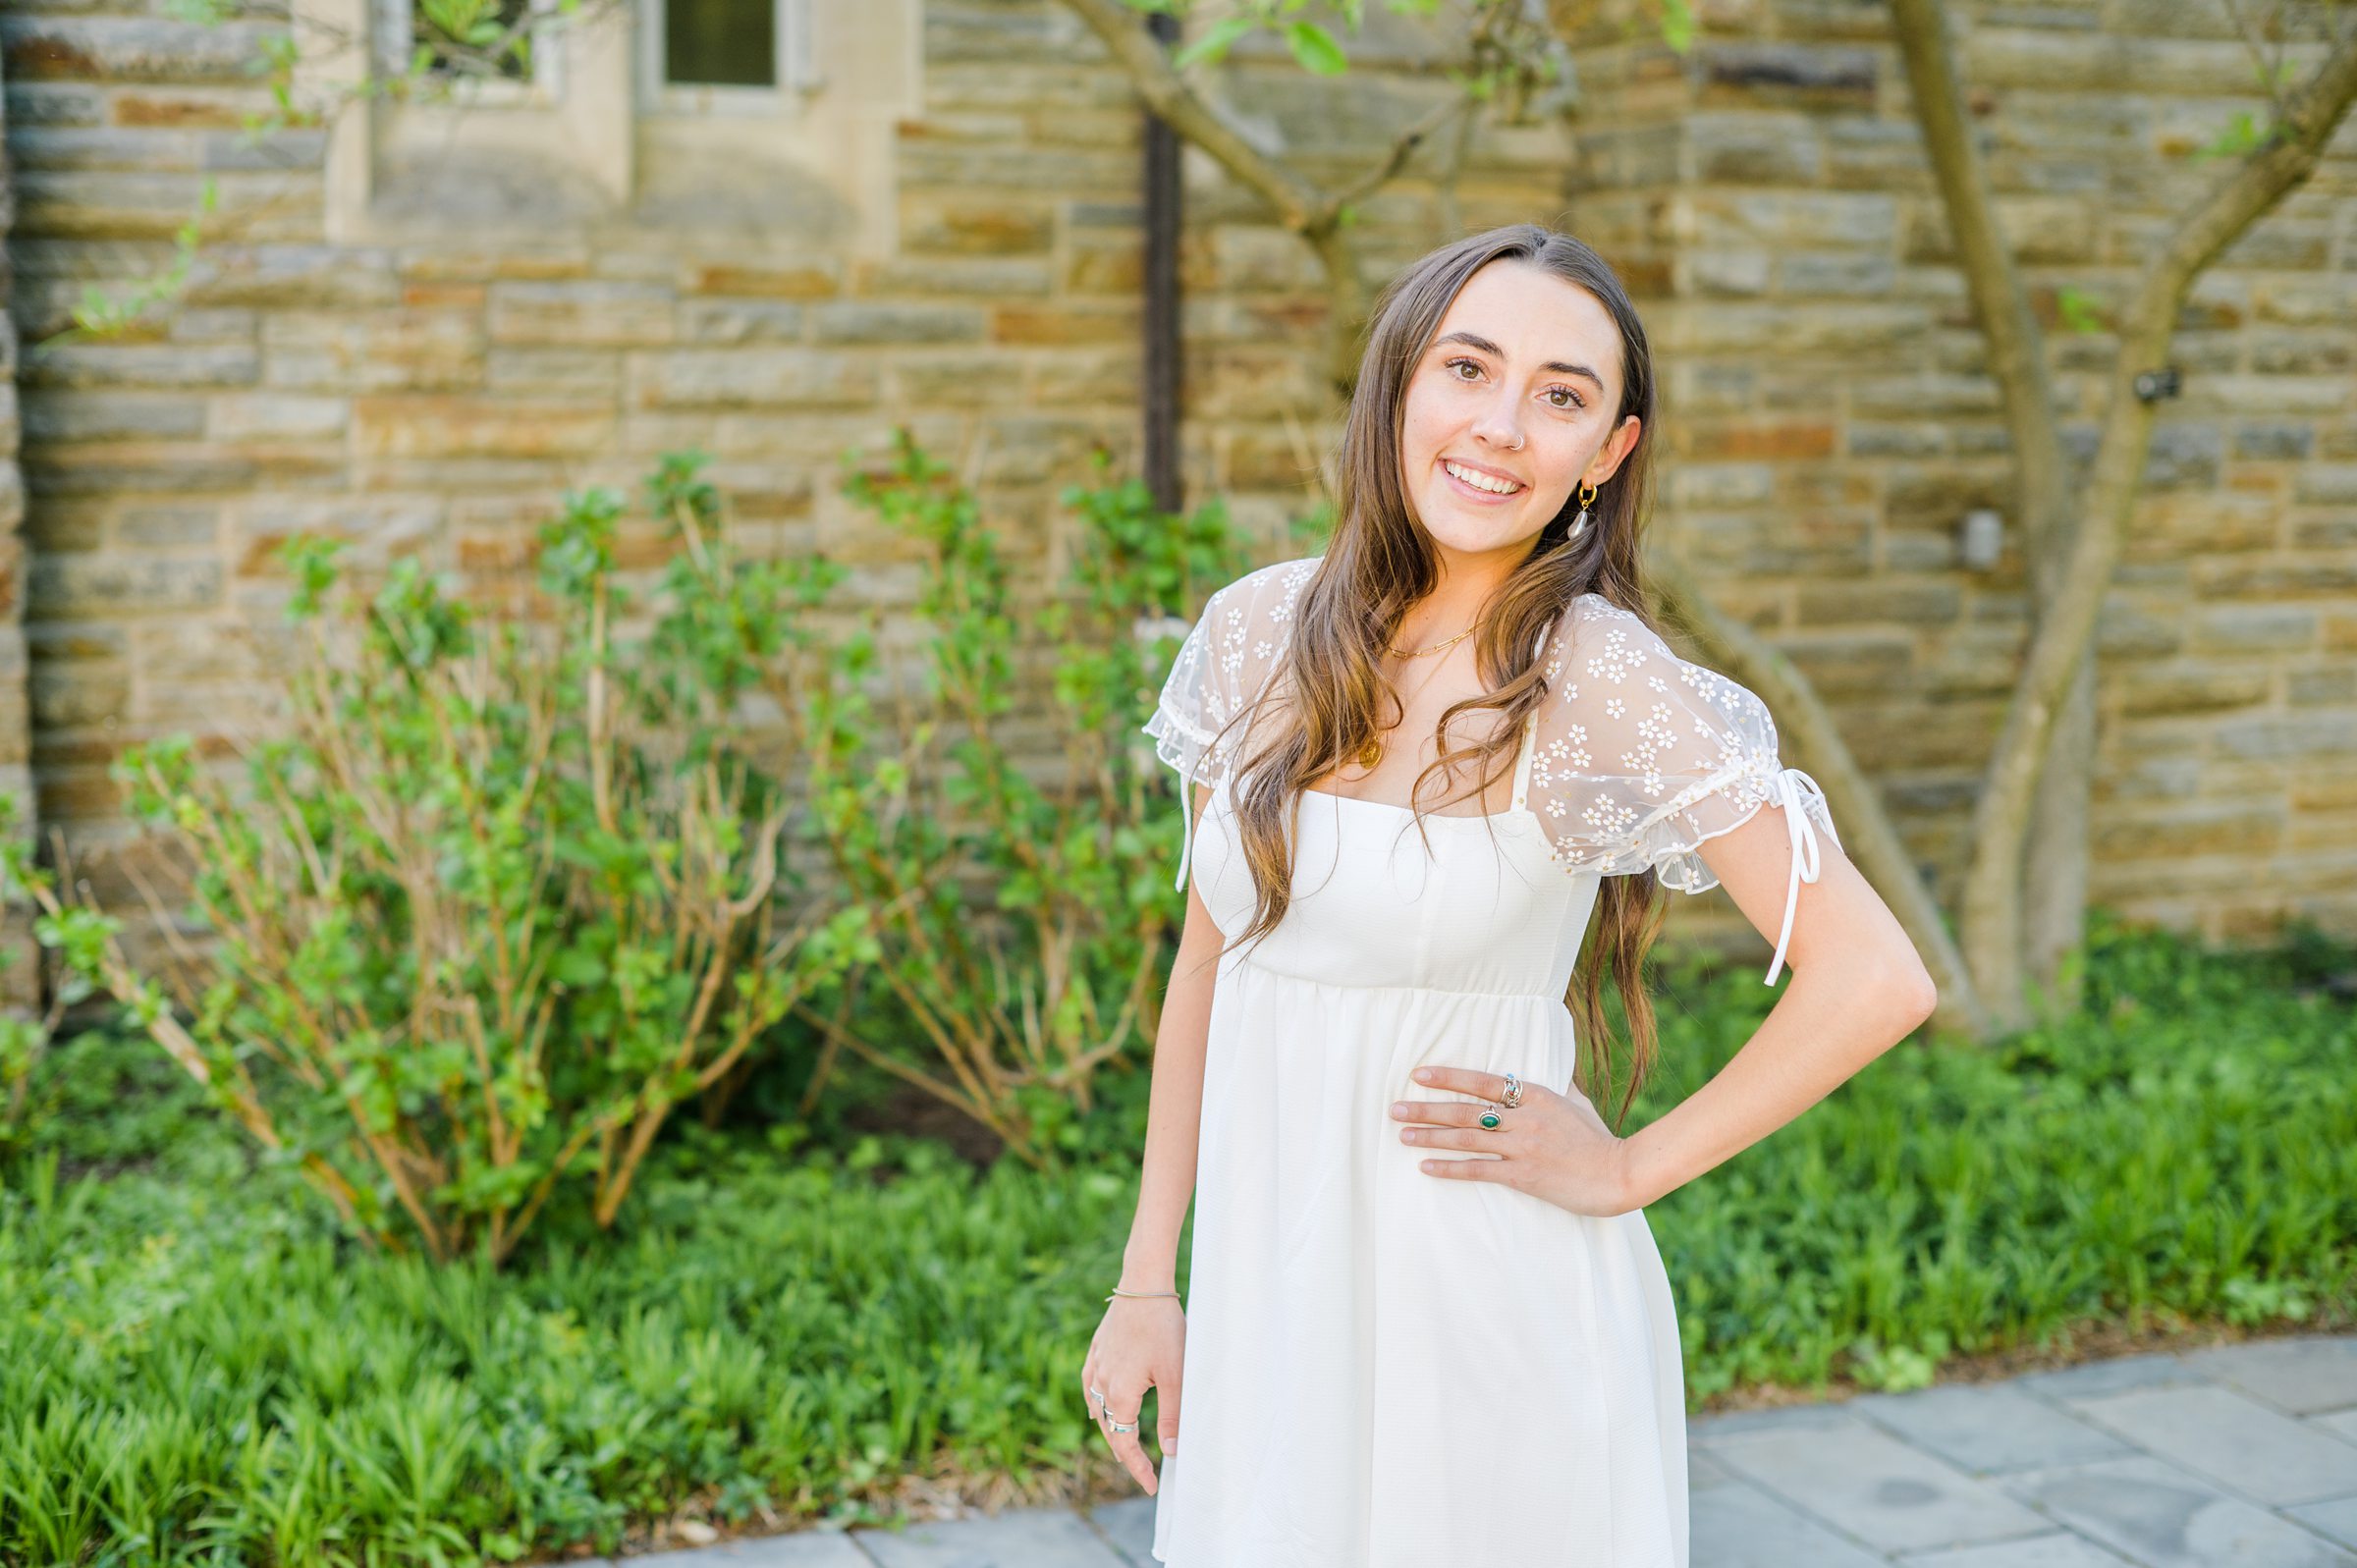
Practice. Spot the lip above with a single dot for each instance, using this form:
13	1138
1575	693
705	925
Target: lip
1464	489
1483	468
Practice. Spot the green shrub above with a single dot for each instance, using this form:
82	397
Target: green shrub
501	896
21	1042
1019	930
507	894
190	1361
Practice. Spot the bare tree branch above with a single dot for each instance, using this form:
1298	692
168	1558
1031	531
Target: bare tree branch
2269	72
1312	211
1300	203
2000	301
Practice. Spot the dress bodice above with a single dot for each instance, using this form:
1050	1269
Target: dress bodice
1484	910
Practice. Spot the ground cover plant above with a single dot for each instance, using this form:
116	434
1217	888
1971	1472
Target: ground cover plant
195	1369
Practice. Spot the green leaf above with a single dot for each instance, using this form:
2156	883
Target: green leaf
1677	25
1316	49
2077	308
2242	135
1216	40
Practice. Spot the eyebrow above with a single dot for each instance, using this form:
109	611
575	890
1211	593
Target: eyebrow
1557	365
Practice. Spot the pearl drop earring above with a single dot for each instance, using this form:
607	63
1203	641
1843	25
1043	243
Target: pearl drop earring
1579	524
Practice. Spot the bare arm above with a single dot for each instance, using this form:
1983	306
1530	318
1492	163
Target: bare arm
1175	1108
1857	989
1141	1342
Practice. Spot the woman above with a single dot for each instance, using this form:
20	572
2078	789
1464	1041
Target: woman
1429	1325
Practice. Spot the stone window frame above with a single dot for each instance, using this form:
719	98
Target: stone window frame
797	69
841	127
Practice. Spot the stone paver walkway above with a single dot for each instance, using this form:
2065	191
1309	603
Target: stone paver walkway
2240	1457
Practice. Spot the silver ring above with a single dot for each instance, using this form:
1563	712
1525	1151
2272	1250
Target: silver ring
1096	1395
1130	1426
1513	1092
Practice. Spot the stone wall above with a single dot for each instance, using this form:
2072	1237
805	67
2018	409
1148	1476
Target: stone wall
430	387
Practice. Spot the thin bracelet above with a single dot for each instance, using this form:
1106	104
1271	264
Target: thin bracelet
1118	1291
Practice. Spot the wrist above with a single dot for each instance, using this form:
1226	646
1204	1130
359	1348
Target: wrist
1633	1173
1148	1270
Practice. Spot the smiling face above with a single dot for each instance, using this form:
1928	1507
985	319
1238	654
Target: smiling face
1511	408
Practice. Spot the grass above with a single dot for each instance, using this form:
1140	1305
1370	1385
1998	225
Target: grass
195	1368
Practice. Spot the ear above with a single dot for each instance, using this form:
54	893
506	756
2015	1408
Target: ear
1616	449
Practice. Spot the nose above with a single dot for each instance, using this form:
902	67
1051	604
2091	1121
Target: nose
1500	423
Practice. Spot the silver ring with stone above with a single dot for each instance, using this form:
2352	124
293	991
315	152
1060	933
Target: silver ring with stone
1513	1092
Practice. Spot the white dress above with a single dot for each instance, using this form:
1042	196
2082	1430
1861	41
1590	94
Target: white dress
1386	1369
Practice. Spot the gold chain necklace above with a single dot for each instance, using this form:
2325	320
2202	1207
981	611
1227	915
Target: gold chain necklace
1372	752
1419	653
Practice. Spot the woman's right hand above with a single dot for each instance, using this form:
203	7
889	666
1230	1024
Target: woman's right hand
1139	1345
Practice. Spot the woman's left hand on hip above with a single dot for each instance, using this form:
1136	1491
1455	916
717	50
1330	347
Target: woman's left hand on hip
1552	1146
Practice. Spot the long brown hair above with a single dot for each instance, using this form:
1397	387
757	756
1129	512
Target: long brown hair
1379	562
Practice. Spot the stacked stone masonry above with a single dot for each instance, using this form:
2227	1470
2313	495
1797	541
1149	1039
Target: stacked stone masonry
428	389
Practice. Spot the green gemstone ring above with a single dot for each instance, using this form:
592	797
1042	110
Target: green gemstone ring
1489	1119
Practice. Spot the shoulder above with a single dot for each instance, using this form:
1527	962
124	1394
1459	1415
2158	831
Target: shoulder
1594	609
1614	649
1594	627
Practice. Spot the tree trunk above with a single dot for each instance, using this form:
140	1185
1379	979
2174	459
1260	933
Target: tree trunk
1994	934
2053	878
2055	881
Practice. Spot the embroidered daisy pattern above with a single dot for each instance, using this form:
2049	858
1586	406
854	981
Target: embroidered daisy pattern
1223	665
1646	756
1616	658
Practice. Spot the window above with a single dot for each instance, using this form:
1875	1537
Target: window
442	29
700	55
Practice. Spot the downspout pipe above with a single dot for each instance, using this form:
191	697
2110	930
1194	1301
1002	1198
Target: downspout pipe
1159	394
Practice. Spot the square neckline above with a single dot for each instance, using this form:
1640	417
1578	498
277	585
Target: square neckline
1518	806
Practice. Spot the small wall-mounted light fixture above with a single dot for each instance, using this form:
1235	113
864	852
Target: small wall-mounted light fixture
1980	539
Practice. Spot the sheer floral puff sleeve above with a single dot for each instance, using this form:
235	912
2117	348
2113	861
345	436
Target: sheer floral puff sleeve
1639	757
1222	668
